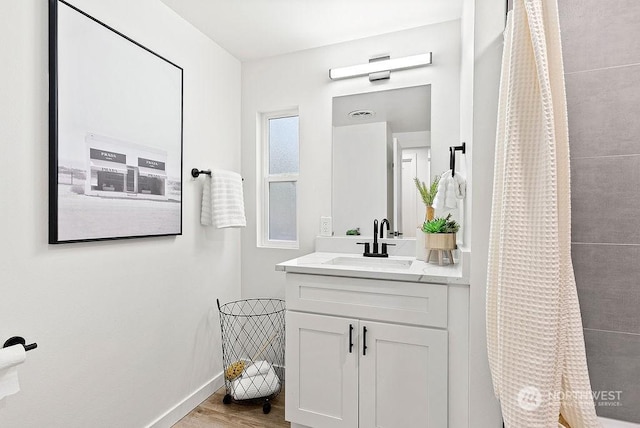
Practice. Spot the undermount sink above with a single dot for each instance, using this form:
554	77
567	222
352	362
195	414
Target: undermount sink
370	262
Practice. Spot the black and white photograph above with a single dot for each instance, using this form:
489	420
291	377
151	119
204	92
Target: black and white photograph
117	149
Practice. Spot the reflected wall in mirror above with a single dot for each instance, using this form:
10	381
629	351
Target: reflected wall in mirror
381	141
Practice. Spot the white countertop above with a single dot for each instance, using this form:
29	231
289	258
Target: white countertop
319	264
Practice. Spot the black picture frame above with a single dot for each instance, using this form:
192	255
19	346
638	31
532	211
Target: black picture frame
115	133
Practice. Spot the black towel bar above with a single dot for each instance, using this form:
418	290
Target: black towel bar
195	172
452	156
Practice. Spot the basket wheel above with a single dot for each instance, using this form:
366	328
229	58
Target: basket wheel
227	399
266	407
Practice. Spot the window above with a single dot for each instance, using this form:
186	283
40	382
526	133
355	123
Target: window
277	200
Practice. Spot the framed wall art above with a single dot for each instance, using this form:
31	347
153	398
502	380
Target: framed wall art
115	133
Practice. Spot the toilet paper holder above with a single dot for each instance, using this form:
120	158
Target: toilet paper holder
17	340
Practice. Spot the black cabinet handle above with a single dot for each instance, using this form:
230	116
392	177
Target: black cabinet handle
364	340
350	338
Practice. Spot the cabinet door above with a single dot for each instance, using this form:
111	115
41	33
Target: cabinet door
322	371
403	376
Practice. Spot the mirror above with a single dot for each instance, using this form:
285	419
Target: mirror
381	141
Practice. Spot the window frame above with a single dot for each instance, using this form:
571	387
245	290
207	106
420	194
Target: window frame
265	179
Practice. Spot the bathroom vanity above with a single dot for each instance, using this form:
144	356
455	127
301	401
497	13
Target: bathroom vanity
375	342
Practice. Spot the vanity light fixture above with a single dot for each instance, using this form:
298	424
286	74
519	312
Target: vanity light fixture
380	68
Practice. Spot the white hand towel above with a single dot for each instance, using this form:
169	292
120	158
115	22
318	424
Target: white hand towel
223	201
438	201
262	385
460	186
10	357
206	212
257	368
450	201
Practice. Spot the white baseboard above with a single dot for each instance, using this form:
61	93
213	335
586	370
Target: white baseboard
180	410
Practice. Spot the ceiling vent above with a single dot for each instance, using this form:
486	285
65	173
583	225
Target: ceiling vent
362	114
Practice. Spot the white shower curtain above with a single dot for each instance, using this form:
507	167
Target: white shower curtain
534	329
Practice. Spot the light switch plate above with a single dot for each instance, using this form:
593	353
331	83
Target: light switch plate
326	228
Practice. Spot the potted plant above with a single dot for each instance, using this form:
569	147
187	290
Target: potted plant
428	194
440	235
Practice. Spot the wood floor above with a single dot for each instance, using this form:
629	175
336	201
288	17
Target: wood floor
212	413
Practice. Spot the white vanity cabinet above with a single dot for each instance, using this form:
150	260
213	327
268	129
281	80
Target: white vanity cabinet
403	377
322	374
399	380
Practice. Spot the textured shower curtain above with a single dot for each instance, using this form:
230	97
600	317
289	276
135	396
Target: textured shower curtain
534	329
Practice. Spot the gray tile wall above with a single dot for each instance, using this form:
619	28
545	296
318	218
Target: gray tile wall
601	45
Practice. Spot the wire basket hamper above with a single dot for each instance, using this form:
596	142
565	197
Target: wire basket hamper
253	340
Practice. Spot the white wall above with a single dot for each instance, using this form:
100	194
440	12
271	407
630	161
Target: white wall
483	23
359	151
126	329
301	79
413	209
